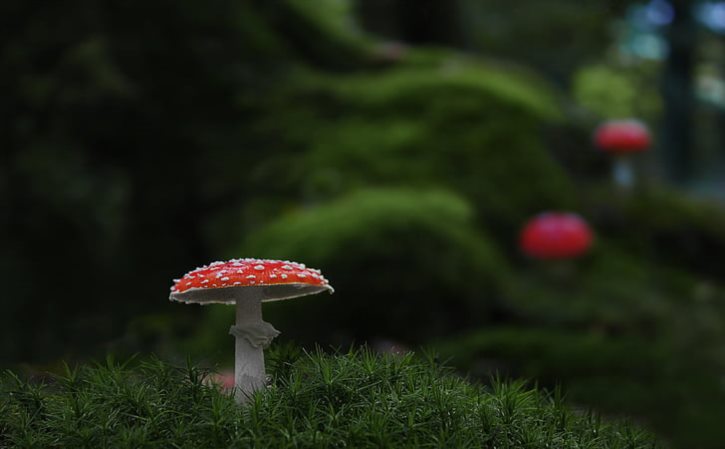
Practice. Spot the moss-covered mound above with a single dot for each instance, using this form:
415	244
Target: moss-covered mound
663	226
452	121
358	400
624	334
423	242
674	386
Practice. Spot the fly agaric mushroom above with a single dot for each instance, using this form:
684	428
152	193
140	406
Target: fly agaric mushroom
553	235
621	138
247	283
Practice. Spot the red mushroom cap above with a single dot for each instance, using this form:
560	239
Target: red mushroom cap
622	136
223	282
555	236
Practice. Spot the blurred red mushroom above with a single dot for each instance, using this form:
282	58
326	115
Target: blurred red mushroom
390	52
621	138
555	235
223	379
247	283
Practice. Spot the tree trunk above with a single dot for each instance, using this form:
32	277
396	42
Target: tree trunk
677	136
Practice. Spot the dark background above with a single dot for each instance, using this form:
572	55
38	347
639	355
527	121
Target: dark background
397	145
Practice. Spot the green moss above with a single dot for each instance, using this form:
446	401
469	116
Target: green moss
318	401
473	128
610	289
335	18
450	121
421	243
648	376
403	88
257	34
553	354
664	227
617	93
359	151
323	34
623	332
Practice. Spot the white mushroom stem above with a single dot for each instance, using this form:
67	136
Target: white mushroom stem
623	172
252	336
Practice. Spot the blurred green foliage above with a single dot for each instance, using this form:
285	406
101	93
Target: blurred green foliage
553	36
616	93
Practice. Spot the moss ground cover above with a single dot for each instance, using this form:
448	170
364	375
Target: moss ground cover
358	399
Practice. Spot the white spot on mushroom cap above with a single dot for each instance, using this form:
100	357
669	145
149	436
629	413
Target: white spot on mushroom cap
225	278
251	276
259	267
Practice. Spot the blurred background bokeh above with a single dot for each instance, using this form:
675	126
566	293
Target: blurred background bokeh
398	145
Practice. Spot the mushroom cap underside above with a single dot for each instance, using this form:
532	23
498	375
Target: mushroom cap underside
230	295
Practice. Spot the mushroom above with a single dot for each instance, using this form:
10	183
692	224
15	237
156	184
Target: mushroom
621	138
223	379
247	283
555	235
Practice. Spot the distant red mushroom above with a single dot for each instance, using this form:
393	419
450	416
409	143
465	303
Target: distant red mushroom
621	138
223	379
555	235
390	52
247	283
